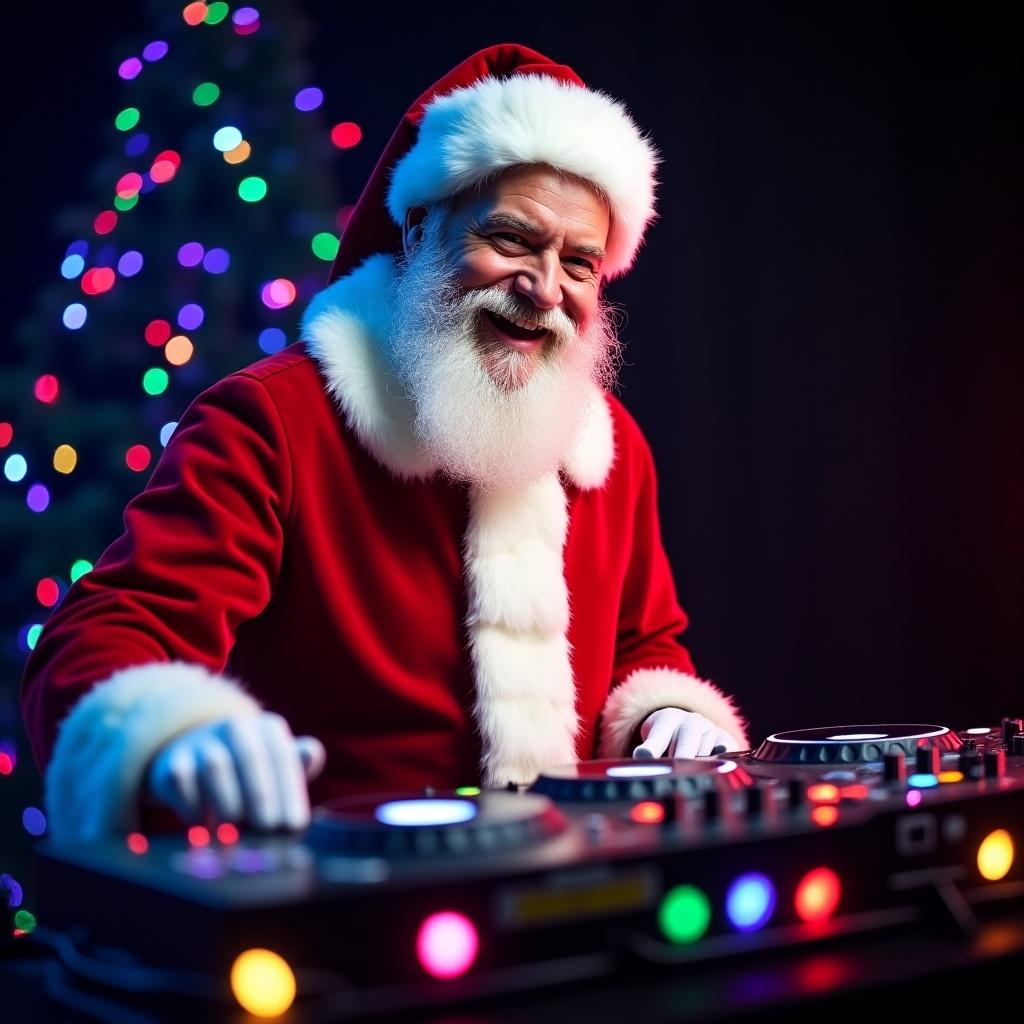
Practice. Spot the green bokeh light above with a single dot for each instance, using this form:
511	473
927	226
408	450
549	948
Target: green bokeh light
325	246
216	13
32	637
468	791
79	569
252	190
125	204
24	920
127	119
684	914
206	94
155	381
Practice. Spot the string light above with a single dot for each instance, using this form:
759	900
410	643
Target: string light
216	261
346	135
205	94
157	333
65	458
194	14
190	316
105	222
190	254
309	98
137	458
252	190
127	119
46	388
129	68
38	498
130	263
71	267
178	350
15	468
155	381
155	50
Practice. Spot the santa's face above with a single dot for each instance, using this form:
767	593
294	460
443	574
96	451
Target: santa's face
538	237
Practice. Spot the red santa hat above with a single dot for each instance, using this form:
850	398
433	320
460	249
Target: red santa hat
505	106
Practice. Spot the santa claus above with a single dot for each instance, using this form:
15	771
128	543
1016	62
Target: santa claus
425	534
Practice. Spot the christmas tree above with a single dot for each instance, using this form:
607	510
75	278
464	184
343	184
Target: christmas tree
209	219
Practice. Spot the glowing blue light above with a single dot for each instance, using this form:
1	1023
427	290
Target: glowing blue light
15	468
148	184
750	902
190	316
227	138
38	498
155	50
216	261
74	316
922	780
34	821
165	432
272	339
406	813
309	99
10	889
637	771
137	144
72	267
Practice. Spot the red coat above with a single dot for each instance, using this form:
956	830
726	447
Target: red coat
289	548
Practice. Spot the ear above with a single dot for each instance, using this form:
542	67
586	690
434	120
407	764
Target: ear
412	230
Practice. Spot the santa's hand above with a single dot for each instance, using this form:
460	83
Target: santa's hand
246	769
672	732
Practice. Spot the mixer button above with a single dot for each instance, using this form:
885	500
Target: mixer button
895	766
927	760
995	764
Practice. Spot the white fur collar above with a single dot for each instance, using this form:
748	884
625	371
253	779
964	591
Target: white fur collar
343	327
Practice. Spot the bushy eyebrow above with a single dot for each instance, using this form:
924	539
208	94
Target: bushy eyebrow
525	227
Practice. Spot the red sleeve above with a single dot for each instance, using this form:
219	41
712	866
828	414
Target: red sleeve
199	555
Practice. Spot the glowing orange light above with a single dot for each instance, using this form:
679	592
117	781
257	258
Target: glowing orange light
198	836
239	154
263	983
825	815
817	895
178	350
855	792
951	776
995	855
194	14
823	793
647	812
137	842
227	833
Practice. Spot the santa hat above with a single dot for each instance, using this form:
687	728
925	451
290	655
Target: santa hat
505	106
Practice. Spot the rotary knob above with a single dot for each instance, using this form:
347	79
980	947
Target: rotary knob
995	764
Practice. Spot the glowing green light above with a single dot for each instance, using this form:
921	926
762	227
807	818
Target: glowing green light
24	920
216	13
252	190
325	245
468	791
79	569
32	636
684	914
206	94
155	381
125	204
127	119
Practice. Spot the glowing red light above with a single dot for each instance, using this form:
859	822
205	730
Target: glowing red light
105	222
823	793
6	763
817	895
227	833
346	135
137	457
98	280
129	185
198	836
6	434
157	332
648	812
162	171
855	792
825	815
447	944
47	592
137	842
194	14
170	156
46	388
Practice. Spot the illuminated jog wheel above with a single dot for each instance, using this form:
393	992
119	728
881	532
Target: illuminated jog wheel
623	779
853	744
443	825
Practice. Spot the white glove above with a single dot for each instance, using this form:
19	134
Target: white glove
247	769
672	732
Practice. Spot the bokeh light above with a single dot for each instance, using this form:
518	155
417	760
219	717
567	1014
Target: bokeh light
278	294
684	914
272	339
129	68
190	254
48	592
194	14
216	12
447	944
817	895
46	388
246	20
97	280
178	350
137	458
205	94
129	185
155	381
750	901
190	316
10	887
137	144
38	498
74	316
262	982
157	333
6	434
252	190
309	98
346	135
32	635
79	569
34	821
239	154
15	467
155	50
165	432
65	458
216	261
105	222
130	263
226	138
72	267
325	246
137	842
127	119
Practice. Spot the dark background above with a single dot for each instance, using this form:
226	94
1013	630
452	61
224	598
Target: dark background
824	330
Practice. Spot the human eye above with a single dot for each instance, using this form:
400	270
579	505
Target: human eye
509	237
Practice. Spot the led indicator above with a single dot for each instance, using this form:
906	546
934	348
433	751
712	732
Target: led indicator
647	812
684	914
995	855
447	944
951	776
922	780
823	793
750	902
817	895
825	815
262	982
637	771
412	813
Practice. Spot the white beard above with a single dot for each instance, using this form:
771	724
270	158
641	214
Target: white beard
486	413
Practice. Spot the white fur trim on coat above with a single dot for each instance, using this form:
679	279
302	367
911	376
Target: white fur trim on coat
496	123
646	690
104	745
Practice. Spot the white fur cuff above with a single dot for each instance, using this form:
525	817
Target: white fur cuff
646	690
107	740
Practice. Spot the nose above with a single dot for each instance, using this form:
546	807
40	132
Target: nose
539	282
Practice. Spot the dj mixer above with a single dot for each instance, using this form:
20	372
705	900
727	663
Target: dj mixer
396	901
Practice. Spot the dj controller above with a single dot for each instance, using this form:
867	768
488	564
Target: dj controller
397	901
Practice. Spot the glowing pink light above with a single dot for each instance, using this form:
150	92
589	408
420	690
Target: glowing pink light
130	68
447	944
913	797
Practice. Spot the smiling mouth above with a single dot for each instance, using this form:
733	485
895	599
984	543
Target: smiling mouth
515	334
